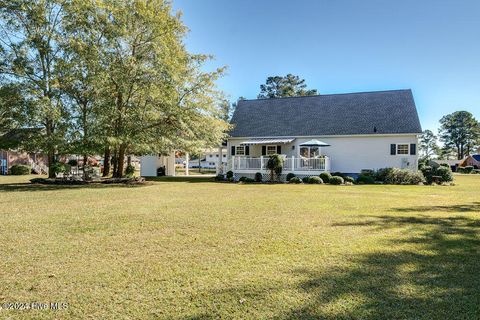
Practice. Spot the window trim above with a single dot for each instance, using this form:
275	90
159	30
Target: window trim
243	150
275	149
403	144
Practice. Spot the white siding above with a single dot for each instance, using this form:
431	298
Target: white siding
353	153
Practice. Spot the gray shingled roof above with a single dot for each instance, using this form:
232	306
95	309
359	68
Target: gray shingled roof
388	112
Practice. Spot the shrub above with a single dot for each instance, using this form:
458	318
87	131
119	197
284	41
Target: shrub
444	165
468	169
336	180
130	170
19	170
275	165
403	176
290	176
476	171
365	179
338	174
349	179
382	174
305	179
219	177
315	180
248	180
73	162
242	179
58	167
229	174
258	177
295	180
325	176
445	174
367	172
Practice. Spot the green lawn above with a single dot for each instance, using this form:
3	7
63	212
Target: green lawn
186	250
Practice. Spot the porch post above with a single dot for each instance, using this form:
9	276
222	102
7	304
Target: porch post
219	160
293	163
233	163
261	163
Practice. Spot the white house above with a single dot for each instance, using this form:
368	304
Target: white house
344	133
210	159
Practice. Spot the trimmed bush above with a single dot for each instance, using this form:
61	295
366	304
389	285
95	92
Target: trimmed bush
242	179
258	177
248	180
219	177
349	179
338	174
19	170
382	174
445	174
325	176
336	180
476	171
365	179
295	180
305	179
315	180
229	174
367	172
290	176
468	169
129	170
403	176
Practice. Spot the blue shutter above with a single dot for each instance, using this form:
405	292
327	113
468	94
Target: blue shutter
247	150
264	150
233	150
279	149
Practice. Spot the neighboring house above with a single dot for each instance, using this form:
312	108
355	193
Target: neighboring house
344	133
153	165
210	158
472	160
453	164
11	154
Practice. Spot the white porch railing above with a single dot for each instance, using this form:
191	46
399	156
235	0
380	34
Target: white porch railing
290	164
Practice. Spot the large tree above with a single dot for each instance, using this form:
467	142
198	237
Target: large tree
288	86
30	33
460	130
428	144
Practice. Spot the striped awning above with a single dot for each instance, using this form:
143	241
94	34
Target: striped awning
268	141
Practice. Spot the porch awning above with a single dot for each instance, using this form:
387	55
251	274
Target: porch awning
314	143
268	140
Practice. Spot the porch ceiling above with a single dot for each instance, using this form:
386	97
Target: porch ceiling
268	140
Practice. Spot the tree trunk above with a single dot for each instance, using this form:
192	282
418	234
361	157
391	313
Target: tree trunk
106	162
51	160
121	161
129	160
115	162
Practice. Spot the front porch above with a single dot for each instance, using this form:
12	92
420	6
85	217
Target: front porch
297	165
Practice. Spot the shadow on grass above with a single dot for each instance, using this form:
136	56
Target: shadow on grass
474	206
433	274
27	186
426	268
189	179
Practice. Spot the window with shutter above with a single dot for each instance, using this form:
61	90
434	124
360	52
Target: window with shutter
393	149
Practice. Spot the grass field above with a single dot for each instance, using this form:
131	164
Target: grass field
200	250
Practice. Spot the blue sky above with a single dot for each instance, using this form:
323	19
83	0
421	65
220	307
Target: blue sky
338	46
